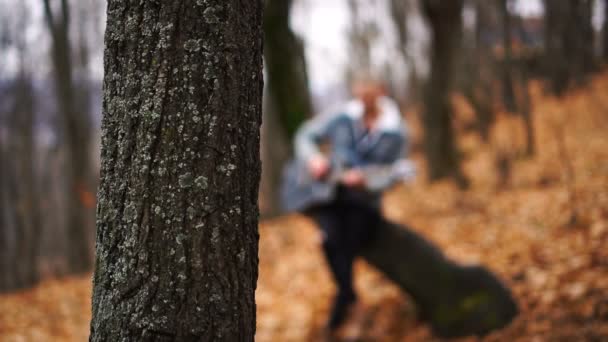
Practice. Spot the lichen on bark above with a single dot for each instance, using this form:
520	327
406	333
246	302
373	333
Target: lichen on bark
177	205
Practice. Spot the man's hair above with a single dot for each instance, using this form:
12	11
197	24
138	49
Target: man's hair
367	77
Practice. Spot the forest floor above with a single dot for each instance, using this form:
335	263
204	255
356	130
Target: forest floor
540	223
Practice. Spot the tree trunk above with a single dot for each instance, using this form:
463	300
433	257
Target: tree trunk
8	278
360	38
177	213
605	33
520	87
477	74
288	100
439	138
276	152
21	238
399	13
587	43
77	131
20	213
285	67
556	59
4	233
568	43
507	69
456	300
524	106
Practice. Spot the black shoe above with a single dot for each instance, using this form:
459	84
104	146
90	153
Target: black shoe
340	310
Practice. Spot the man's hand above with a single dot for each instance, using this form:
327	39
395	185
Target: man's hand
353	178
318	166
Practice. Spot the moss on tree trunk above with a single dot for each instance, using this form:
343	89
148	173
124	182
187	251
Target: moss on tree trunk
177	213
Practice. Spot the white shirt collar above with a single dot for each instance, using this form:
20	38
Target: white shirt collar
390	116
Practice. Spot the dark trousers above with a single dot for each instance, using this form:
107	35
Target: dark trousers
347	224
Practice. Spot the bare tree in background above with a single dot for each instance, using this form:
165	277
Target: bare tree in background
441	150
81	60
5	262
399	10
516	97
476	78
20	229
286	66
177	214
508	93
76	129
288	102
568	43
22	253
360	35
605	33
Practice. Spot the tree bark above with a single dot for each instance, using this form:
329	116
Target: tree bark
276	151
605	34
568	43
20	214
399	13
524	106
439	139
4	233
77	131
20	240
285	67
516	86
177	213
507	67
360	38
288	101
479	68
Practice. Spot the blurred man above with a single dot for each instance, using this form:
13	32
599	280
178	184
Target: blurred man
366	138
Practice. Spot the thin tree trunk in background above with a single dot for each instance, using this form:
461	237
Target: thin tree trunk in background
399	14
524	103
26	178
556	59
288	101
477	75
53	241
583	40
19	198
605	33
360	36
276	149
568	43
518	80
4	227
177	215
21	238
83	104
439	139
285	66
77	132
526	114
507	69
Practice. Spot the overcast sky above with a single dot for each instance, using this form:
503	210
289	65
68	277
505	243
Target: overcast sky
323	24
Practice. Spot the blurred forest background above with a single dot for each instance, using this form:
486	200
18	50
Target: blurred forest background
508	107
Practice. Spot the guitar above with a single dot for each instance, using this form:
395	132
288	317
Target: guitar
301	191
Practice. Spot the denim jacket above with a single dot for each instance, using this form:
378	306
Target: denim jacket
382	147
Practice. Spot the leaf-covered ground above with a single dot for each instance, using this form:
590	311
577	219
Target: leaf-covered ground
540	223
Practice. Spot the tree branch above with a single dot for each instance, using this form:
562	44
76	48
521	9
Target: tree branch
48	15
